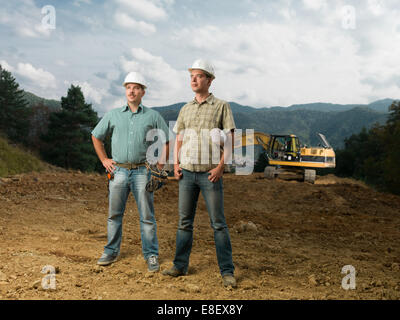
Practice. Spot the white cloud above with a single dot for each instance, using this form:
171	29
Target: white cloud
376	7
115	103
37	77
25	20
140	15
265	52
144	8
315	4
296	62
125	21
6	66
91	94
60	62
78	3
166	85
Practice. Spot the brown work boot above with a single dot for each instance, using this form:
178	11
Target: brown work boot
229	280
174	272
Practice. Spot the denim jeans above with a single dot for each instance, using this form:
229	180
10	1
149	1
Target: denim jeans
125	181
213	193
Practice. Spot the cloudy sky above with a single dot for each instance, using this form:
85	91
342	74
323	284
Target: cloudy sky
266	53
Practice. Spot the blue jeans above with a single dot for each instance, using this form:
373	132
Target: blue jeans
213	193
125	181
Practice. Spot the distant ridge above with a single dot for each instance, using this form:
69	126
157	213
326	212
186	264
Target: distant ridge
379	106
33	100
336	121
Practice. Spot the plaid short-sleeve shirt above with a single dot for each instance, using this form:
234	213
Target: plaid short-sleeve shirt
198	123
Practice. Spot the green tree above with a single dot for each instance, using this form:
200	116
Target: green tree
68	138
391	137
14	111
362	156
39	122
373	155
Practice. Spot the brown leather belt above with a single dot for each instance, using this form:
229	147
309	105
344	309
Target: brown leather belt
130	166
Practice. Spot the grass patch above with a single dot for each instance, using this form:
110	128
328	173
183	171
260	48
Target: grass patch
14	160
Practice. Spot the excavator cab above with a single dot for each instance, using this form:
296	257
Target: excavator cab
285	148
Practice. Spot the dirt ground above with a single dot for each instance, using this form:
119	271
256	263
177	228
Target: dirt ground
290	241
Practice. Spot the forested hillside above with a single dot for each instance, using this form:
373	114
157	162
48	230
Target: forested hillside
373	155
336	122
60	135
34	100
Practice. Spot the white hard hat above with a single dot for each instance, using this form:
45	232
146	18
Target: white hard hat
203	65
134	77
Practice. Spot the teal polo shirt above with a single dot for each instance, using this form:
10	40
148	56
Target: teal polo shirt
128	132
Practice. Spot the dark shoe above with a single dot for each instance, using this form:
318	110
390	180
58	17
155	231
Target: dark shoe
107	259
152	264
174	272
229	280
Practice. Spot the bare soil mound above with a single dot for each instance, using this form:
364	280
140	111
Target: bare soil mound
290	241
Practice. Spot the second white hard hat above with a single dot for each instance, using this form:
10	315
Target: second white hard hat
135	77
203	65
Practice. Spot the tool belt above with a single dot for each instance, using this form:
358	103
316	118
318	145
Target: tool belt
130	166
158	178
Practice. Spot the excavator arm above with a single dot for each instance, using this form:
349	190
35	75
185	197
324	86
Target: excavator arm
258	138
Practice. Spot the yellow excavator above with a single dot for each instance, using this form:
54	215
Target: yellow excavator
286	155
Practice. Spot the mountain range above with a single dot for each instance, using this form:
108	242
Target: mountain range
33	99
336	121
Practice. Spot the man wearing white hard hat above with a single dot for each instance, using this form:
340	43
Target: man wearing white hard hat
197	172
128	127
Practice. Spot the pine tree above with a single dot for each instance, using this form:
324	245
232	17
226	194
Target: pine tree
362	157
391	140
394	117
373	155
14	111
68	138
39	122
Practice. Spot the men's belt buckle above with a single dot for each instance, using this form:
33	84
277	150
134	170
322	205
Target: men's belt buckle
130	166
133	166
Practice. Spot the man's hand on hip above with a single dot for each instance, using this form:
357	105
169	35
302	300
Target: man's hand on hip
177	172
109	165
216	174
